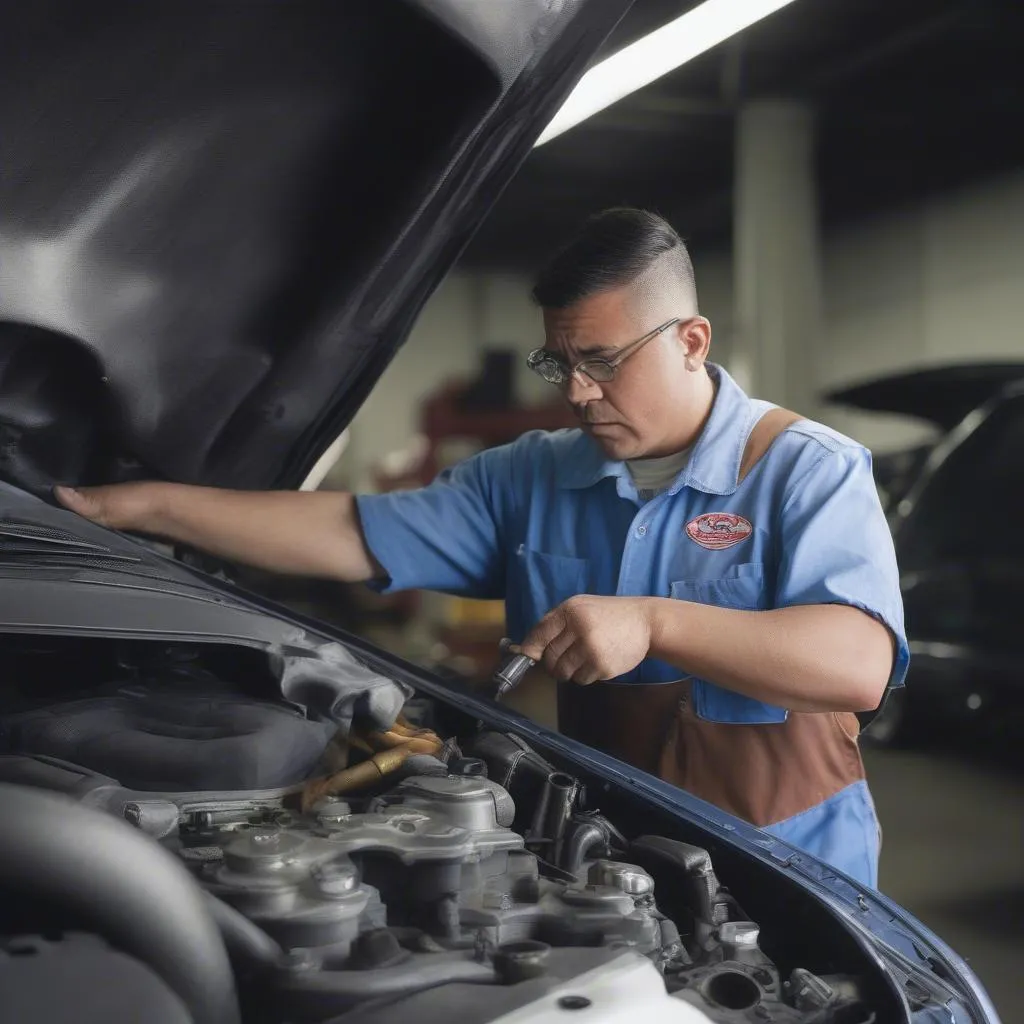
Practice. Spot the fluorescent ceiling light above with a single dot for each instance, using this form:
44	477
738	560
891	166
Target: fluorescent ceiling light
656	54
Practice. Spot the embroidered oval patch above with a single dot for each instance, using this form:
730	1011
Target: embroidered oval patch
717	530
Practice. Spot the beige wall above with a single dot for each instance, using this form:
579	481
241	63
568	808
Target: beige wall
943	283
940	283
468	313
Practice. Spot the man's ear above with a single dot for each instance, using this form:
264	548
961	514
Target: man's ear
696	337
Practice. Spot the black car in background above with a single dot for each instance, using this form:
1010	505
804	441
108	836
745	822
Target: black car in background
956	507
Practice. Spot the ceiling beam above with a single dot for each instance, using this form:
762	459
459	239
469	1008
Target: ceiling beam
839	72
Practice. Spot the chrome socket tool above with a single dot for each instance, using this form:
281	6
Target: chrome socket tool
510	671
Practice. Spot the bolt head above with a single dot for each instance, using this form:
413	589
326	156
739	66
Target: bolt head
497	899
299	960
627	878
573	1003
743	934
335	879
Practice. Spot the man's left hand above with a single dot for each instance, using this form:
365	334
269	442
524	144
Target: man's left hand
587	638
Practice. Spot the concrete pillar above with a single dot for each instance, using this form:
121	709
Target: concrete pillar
776	255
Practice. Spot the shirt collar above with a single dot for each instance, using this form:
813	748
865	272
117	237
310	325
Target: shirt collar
583	464
714	463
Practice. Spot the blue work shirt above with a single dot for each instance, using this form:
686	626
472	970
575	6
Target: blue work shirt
549	516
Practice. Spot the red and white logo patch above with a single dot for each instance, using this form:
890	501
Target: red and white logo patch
718	530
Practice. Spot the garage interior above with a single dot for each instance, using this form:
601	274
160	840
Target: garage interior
861	159
849	177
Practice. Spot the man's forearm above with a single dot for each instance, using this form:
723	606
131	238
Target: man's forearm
300	533
806	658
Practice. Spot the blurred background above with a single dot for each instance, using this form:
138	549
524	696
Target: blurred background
849	175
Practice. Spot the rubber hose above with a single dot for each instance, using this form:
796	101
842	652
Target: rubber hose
248	945
650	852
581	841
553	813
132	891
315	995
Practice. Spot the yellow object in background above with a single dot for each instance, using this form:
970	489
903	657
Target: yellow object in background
464	611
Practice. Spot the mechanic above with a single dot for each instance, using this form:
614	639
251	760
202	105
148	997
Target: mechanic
710	578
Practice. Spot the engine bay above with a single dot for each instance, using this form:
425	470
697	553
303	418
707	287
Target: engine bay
465	875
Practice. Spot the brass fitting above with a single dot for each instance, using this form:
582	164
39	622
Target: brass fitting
392	749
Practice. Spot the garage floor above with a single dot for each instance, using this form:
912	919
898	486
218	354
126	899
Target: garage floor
953	855
953	847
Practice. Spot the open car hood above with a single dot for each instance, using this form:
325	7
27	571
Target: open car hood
942	395
218	221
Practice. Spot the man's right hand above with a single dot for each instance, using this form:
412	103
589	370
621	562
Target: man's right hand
123	507
295	532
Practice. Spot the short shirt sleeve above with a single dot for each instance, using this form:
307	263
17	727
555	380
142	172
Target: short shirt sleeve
446	536
836	546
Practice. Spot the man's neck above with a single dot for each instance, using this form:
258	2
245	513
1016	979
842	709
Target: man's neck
694	427
652	476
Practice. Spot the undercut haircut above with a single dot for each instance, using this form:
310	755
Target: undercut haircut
614	248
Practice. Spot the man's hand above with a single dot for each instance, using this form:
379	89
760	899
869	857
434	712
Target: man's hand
805	658
587	639
121	507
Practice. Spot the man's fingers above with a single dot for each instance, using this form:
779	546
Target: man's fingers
119	506
577	665
556	649
586	675
568	663
538	639
82	502
67	496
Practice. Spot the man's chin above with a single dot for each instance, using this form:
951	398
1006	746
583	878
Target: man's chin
615	443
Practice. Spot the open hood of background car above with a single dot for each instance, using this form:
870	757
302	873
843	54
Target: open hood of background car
942	395
218	221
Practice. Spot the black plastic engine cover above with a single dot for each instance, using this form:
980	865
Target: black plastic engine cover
79	979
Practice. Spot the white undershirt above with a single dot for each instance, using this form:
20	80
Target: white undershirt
652	476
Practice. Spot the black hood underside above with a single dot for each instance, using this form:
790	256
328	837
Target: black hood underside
942	395
218	220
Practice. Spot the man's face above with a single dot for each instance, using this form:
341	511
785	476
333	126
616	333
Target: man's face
660	394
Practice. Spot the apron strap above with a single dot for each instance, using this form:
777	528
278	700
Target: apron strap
761	438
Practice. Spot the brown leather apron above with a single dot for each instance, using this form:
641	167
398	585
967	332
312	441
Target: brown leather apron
762	773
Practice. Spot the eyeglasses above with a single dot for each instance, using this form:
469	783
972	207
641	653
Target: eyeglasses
554	371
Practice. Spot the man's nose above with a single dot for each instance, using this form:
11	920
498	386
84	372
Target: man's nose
581	389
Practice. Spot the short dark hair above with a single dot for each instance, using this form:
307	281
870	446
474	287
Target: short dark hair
612	248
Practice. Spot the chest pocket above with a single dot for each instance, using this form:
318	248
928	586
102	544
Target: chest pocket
743	588
544	581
